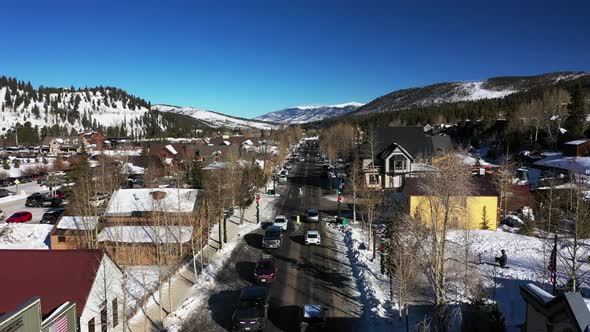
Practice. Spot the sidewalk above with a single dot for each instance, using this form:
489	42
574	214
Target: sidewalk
149	317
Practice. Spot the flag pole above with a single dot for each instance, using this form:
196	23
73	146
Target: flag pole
554	272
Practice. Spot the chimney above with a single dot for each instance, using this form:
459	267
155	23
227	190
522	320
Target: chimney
158	195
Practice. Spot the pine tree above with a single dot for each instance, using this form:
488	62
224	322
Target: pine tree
485	219
576	119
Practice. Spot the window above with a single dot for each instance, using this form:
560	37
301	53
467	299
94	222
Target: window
91	325
104	322
399	163
61	238
373	179
216	159
115	312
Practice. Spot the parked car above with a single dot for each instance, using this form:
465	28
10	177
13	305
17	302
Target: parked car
59	194
35	200
266	269
284	171
282	178
301	159
20	217
272	237
281	221
51	216
313	318
2	215
4	192
288	166
313	215
50	201
312	237
98	199
251	310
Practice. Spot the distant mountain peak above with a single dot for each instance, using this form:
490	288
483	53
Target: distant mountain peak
308	113
214	119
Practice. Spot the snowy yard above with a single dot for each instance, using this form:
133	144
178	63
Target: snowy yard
24	236
527	263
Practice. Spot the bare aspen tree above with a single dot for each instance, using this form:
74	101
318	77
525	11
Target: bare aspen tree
576	214
444	196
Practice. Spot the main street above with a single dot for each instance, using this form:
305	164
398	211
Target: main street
307	274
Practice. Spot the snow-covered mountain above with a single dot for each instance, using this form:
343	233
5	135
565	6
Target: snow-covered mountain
451	92
214	119
61	111
302	114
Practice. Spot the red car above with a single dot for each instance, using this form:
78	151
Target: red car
21	217
266	269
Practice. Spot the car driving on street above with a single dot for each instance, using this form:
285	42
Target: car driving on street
251	310
313	215
272	237
265	270
312	237
281	221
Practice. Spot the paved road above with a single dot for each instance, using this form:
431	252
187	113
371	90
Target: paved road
11	206
307	274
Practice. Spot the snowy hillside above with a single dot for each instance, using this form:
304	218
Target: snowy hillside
302	114
214	119
68	110
451	92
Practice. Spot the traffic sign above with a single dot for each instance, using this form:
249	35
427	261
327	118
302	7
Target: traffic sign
16	181
339	197
257	198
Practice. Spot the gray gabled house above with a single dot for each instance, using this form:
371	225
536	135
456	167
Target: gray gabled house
394	153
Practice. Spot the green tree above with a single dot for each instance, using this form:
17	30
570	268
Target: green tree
575	122
6	164
16	163
485	219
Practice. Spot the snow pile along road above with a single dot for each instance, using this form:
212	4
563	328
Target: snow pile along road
373	287
24	236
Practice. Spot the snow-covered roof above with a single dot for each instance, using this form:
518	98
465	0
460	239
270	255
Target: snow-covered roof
126	201
78	222
579	165
171	149
132	169
577	142
146	234
226	143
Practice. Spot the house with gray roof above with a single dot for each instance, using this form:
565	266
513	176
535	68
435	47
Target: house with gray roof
391	154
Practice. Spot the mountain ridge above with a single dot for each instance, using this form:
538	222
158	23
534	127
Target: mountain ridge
308	113
451	92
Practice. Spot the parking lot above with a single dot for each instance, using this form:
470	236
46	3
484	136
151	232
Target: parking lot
10	206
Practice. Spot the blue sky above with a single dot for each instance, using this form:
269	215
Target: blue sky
247	58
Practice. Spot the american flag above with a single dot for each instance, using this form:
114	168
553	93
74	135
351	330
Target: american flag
61	325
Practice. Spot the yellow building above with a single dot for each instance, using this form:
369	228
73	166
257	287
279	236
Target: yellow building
473	212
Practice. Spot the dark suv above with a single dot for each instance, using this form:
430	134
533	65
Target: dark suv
272	237
252	308
35	200
51	216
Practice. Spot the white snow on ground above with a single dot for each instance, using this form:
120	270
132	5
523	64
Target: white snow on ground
24	236
528	258
141	281
303	114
